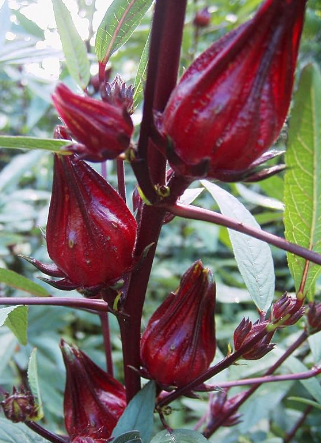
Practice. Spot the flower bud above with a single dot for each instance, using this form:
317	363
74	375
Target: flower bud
231	103
93	400
314	317
246	331
179	341
202	18
20	406
90	233
102	130
219	405
118	94
287	311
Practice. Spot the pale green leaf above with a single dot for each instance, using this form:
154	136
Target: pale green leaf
34	382
139	414
19	142
302	189
73	46
18	281
121	19
253	257
17	322
306	401
311	384
18	433
128	437
179	436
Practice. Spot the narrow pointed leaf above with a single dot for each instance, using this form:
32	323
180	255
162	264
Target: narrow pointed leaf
302	188
15	280
139	414
121	19
253	257
17	322
141	75
73	46
48	144
34	382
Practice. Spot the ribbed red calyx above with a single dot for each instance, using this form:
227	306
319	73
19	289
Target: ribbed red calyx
231	103
179	341
93	400
102	130
90	233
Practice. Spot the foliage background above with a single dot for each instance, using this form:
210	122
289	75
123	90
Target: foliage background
25	185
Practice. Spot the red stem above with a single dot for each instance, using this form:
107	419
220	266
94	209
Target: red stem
195	213
54	438
164	50
121	179
107	344
298	425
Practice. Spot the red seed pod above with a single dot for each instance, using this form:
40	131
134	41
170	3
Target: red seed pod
231	103
246	331
19	406
102	130
179	341
93	400
90	233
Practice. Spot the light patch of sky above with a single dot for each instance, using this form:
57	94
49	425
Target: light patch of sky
41	12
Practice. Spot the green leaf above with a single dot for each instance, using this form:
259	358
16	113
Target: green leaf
179	436
128	437
302	188
34	383
311	384
14	433
17	322
306	401
48	144
253	257
7	349
73	46
121	19
139	414
141	74
15	280
315	345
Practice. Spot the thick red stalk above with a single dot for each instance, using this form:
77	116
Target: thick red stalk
164	51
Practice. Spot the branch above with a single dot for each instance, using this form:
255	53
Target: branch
94	305
195	213
269	379
54	438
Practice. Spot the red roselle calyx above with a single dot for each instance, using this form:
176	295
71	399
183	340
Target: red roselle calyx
231	103
314	317
90	233
93	400
246	331
179	341
102	130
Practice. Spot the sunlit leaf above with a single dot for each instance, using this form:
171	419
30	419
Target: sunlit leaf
17	322
73	46
141	75
121	19
18	142
302	188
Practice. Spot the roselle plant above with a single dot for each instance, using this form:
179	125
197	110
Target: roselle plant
167	337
